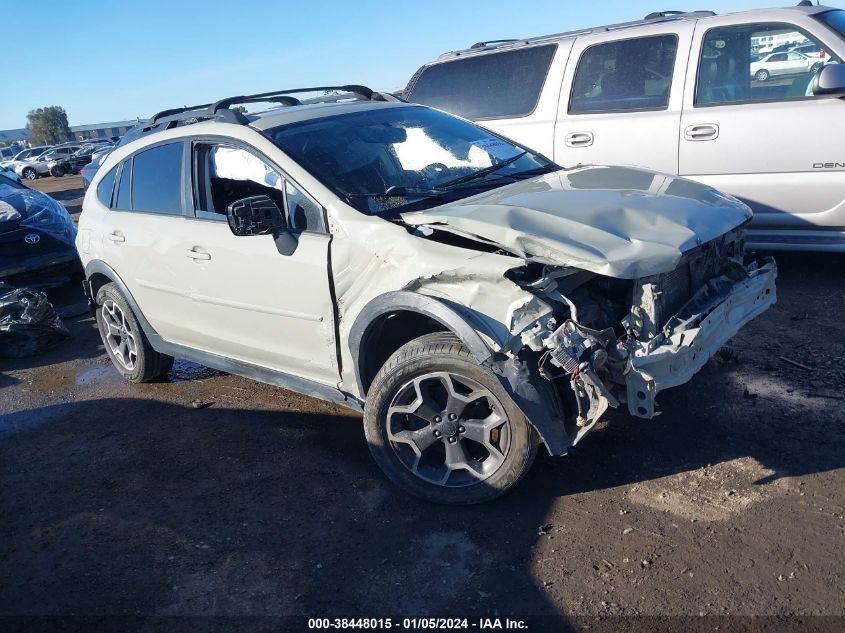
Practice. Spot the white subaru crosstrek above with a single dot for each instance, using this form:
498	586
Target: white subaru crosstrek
470	296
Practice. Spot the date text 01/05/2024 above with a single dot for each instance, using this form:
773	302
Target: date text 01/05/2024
410	624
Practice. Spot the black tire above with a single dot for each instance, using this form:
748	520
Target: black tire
29	174
58	171
761	75
148	364
444	353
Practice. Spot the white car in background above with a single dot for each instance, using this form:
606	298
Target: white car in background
783	63
23	155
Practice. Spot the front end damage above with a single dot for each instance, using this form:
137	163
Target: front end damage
611	342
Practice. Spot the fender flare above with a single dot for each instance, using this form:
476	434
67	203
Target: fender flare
536	401
97	266
408	301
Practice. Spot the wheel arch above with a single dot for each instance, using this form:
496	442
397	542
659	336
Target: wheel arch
411	315
97	274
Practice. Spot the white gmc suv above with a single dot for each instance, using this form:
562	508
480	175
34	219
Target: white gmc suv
471	297
749	103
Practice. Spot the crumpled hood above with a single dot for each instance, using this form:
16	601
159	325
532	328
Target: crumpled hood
615	221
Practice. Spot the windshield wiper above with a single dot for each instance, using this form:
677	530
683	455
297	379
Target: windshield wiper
400	192
482	172
537	171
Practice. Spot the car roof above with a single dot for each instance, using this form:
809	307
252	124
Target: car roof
294	114
653	18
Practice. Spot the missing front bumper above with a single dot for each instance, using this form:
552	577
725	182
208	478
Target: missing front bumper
680	356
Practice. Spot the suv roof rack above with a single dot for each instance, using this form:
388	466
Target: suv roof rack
671	14
657	16
489	42
220	110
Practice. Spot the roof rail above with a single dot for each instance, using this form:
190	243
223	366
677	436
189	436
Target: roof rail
158	116
220	110
670	14
488	42
649	19
283	96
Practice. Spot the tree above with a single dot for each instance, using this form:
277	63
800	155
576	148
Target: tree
48	125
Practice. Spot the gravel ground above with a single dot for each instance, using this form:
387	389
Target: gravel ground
127	500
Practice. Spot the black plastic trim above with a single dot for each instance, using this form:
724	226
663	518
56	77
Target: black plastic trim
405	300
262	374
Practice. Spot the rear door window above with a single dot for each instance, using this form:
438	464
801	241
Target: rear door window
123	201
105	188
487	86
157	179
626	75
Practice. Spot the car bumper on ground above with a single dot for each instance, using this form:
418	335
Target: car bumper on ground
684	353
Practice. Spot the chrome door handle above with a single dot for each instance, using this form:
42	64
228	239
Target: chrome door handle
193	253
117	237
579	139
703	132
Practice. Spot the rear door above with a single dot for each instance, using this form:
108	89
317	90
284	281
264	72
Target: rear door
621	98
144	235
769	142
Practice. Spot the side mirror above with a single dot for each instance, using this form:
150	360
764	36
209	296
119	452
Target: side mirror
255	215
830	81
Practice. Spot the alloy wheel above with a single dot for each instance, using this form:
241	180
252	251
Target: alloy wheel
448	430
118	335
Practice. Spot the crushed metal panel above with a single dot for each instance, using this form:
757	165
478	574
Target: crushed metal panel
618	232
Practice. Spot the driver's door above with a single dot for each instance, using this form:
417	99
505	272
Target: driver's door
248	301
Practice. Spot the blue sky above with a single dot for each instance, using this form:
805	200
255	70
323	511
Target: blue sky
110	61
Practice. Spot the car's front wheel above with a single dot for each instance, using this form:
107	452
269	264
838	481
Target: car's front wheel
29	173
124	340
762	75
443	427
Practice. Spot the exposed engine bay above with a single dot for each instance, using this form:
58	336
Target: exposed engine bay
597	350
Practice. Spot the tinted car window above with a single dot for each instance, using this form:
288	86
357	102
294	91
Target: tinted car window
157	179
106	186
625	75
738	65
504	84
834	19
123	186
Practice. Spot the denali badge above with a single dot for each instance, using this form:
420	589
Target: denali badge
32	238
828	165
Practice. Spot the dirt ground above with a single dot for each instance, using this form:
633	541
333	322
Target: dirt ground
208	494
67	189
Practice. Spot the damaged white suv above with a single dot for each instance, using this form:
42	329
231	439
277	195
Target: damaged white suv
470	296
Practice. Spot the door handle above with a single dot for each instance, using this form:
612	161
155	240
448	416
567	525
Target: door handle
198	254
579	139
703	132
117	237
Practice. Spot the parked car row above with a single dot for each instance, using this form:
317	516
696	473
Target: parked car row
56	160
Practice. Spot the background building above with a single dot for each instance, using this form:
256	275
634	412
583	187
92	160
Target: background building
78	132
